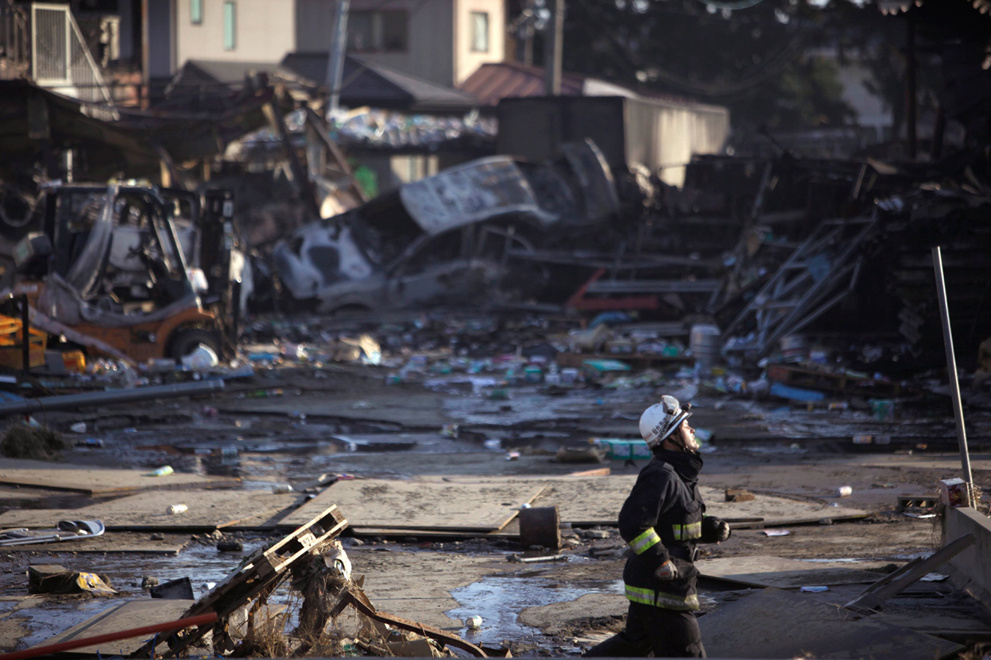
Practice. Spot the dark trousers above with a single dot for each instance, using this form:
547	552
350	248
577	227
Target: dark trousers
668	633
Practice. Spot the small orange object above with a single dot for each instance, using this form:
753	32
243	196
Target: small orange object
74	361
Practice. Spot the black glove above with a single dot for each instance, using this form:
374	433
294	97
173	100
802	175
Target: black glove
715	530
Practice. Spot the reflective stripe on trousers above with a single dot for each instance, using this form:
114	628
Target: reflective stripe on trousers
661	599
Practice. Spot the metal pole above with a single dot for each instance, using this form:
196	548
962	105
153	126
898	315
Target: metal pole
169	626
951	371
87	399
335	66
553	38
911	104
22	301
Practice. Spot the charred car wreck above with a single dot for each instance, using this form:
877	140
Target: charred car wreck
449	237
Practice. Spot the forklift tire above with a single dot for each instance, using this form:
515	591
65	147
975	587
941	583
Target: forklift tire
185	342
17	214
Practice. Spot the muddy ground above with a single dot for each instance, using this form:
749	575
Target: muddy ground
296	422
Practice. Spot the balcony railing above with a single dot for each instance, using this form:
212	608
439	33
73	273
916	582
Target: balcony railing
61	61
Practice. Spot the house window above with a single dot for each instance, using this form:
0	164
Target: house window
196	12
230	25
480	31
383	31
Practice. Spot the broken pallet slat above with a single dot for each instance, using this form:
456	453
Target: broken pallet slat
905	576
261	573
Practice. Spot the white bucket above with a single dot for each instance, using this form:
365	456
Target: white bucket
706	345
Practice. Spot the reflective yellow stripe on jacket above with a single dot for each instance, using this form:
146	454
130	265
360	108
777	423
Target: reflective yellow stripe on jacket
646	541
687	532
661	599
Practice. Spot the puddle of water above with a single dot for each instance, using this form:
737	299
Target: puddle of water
201	563
498	600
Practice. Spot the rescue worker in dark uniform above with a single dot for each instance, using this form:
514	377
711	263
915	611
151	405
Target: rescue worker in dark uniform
662	520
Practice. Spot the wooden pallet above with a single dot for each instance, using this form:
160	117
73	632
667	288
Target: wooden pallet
843	383
258	576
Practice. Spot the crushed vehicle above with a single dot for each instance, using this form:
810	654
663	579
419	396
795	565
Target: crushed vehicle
450	237
107	272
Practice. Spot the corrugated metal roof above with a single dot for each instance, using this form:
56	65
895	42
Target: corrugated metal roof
492	82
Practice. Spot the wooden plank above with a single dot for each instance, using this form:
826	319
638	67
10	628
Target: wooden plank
414	505
122	616
777	624
895	582
208	510
590	501
766	571
64	477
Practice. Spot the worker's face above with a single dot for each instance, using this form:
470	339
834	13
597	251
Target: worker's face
686	437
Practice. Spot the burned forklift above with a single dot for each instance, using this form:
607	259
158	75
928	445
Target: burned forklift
107	271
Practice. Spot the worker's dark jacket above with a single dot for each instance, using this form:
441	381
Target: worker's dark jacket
662	519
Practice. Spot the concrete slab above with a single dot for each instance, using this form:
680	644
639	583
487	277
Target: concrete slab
778	624
765	571
970	570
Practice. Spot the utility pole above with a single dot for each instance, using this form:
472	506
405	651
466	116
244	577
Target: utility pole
553	38
910	87
338	46
528	41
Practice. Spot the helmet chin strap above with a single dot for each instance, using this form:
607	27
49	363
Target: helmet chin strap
681	443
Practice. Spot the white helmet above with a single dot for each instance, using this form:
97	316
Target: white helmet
661	419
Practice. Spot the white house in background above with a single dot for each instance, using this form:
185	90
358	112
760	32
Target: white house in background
441	41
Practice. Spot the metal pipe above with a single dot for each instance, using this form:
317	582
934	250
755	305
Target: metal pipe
200	620
951	371
553	48
66	401
338	48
